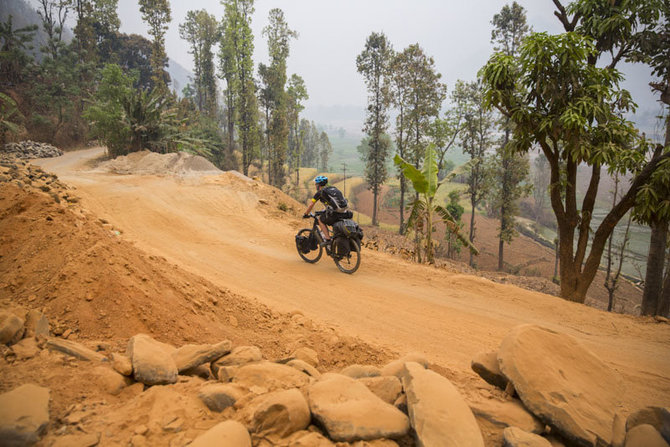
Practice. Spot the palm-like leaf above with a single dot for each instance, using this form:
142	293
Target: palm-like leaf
417	177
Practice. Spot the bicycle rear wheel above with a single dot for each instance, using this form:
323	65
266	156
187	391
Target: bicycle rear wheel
349	263
314	255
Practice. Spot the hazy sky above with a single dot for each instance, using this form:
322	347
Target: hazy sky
332	33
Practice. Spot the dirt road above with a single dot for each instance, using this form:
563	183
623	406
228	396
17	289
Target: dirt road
216	228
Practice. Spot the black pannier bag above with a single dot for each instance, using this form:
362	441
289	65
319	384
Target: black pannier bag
341	246
312	241
303	243
348	228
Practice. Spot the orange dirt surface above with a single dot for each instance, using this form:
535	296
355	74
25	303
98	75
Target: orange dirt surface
202	258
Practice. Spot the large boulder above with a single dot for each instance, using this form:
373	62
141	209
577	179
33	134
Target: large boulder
562	383
26	348
224	434
349	411
509	413
24	415
11	328
486	365
644	435
267	376
190	356
657	417
437	411
515	437
279	413
74	349
152	361
109	380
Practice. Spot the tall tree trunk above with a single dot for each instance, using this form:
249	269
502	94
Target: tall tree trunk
401	230
663	308
501	247
375	192
472	231
653	280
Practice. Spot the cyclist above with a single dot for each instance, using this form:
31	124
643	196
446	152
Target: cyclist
336	205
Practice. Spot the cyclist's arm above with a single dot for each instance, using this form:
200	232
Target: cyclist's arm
311	205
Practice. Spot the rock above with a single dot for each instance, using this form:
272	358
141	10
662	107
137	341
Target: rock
644	435
437	411
486	365
307	355
358	371
121	364
226	373
374	443
78	440
218	397
37	324
396	367
269	376
280	413
509	413
26	348
305	438
304	367
515	437
562	383
240	355
152	361
74	349
387	388
657	417
224	434
618	430
401	403
201	371
349	411
190	356
30	149
11	328
109	380
24	415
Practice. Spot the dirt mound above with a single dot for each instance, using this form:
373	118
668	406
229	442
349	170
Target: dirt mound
152	163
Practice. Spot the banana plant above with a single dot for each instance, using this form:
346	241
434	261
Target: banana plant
424	209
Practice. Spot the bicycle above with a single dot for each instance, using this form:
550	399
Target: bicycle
345	247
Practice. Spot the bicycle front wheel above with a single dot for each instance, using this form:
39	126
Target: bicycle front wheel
314	255
350	263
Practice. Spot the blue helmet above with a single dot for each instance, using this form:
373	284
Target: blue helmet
321	180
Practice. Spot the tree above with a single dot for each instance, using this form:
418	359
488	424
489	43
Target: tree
476	140
278	34
423	208
297	93
653	200
54	15
132	53
325	150
573	110
157	14
443	133
419	95
511	168
374	64
13	57
456	210
612	277
10	117
201	31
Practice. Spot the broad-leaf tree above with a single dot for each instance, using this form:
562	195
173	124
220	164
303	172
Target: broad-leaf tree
424	209
418	94
374	63
573	110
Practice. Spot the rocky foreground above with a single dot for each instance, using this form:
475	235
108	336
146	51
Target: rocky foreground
558	393
31	149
